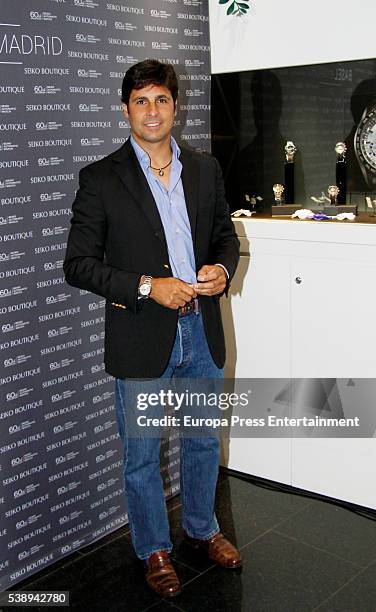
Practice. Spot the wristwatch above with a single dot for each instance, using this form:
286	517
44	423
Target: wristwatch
365	145
144	288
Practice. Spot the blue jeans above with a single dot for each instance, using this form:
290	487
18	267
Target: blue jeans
199	456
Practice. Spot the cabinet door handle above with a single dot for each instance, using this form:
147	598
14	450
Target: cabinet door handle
298	280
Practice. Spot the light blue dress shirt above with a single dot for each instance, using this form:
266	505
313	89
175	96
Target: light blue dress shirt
173	212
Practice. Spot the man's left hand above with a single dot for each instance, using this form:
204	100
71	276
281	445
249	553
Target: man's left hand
212	280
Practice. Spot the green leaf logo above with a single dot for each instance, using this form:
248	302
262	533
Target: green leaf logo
236	8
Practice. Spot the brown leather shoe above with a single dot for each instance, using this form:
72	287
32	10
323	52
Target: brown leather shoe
218	549
161	576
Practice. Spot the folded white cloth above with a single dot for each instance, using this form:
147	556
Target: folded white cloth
304	213
343	216
243	211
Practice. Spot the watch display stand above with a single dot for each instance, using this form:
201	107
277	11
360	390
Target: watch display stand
279	210
340	208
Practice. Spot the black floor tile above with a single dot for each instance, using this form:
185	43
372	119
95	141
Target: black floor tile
358	595
245	510
165	606
109	579
278	575
336	530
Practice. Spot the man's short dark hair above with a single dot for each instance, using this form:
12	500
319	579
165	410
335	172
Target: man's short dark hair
149	72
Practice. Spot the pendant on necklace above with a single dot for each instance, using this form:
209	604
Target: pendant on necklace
161	170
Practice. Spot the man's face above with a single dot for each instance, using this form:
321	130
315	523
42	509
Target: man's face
150	112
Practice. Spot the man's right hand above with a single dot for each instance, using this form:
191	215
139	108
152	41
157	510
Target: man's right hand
171	292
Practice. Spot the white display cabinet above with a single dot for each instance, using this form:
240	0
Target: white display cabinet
302	306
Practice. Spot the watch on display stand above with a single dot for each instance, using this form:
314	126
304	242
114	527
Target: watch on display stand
333	193
334	207
371	206
341	171
284	195
337	193
290	150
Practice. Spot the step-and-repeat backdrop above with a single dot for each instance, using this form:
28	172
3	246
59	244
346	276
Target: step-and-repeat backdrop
62	63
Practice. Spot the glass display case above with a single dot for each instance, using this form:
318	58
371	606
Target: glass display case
255	113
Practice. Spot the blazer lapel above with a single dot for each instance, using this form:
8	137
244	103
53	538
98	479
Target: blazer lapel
190	180
130	173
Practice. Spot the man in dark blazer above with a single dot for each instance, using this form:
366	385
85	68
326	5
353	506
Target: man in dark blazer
151	232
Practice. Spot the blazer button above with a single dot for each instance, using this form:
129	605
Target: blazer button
166	266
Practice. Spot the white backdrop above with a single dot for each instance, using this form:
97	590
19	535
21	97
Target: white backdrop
274	34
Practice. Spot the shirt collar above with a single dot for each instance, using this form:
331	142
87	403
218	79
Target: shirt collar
144	158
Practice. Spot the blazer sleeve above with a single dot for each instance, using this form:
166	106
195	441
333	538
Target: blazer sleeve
84	264
224	241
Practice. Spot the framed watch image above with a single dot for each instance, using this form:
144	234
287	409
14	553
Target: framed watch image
365	145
